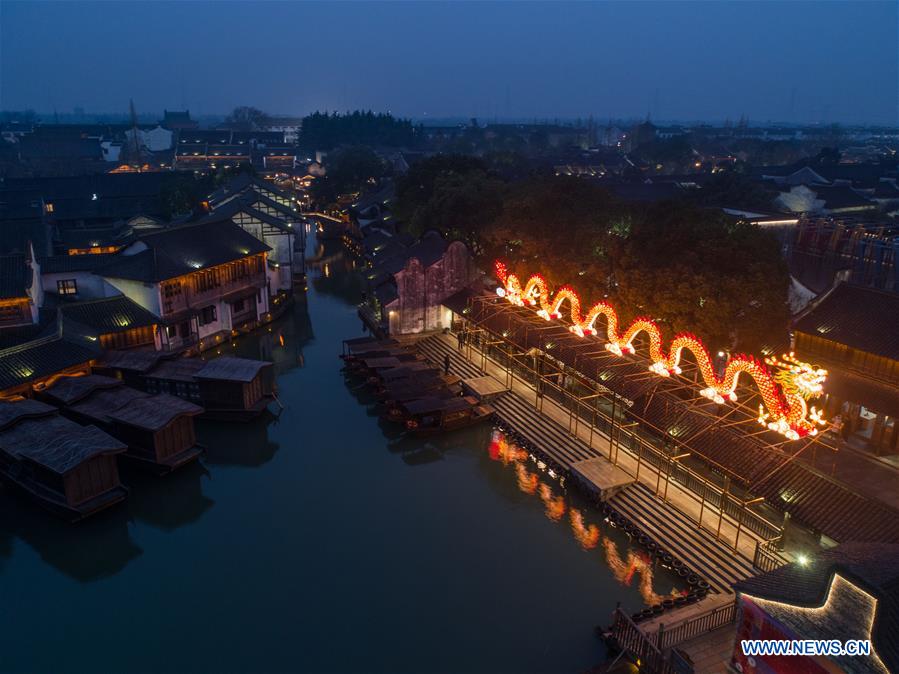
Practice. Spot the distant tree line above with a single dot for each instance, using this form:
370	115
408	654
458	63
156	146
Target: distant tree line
325	131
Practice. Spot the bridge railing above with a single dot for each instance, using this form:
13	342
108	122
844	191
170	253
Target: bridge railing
607	417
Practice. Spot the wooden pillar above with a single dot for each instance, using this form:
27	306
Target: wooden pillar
724	495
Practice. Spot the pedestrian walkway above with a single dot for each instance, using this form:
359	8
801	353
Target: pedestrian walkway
671	521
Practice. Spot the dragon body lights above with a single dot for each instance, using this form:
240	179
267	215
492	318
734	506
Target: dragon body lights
784	407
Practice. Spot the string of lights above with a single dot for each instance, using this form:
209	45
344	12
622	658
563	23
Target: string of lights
784	410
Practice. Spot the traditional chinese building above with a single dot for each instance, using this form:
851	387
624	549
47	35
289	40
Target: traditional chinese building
278	234
407	287
853	332
202	281
847	592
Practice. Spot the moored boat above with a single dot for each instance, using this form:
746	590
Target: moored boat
66	468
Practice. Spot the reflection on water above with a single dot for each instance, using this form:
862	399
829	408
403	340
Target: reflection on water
96	548
335	273
240	443
635	562
170	502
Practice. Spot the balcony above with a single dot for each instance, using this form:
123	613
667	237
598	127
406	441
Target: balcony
190	299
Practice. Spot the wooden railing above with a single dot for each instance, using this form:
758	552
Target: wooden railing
635	442
655	652
635	642
697	626
766	557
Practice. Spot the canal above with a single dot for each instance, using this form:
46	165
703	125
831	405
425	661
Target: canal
318	541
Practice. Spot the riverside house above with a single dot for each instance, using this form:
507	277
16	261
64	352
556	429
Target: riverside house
204	281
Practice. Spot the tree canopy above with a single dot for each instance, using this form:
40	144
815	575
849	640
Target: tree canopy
324	131
247	118
453	193
348	170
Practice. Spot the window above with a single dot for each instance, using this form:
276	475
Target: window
207	314
237	307
184	329
171	331
67	287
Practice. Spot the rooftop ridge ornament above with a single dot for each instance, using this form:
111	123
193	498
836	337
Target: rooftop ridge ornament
784	409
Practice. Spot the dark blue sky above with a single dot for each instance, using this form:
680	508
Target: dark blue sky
789	61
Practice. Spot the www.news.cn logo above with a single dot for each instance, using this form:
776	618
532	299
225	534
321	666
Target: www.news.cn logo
809	647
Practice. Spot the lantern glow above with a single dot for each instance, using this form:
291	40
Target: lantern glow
784	410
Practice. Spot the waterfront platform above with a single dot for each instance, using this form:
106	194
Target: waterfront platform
484	388
600	477
671	520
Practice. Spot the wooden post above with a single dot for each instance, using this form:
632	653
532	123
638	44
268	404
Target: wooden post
721	506
702	503
671	462
740	519
639	457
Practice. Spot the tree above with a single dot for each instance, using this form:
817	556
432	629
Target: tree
689	268
453	193
693	270
323	131
561	226
461	206
246	118
348	170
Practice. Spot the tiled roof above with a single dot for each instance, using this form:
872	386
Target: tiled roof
12	412
242	205
841	196
15	278
182	250
57	443
873	566
39	358
109	314
69	390
862	318
229	368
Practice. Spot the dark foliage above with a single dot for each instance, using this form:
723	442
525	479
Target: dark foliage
323	131
348	170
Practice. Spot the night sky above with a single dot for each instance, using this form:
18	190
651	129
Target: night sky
785	61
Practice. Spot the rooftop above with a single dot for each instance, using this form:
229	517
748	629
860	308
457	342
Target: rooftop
182	250
109	314
229	368
56	443
39	358
859	317
871	566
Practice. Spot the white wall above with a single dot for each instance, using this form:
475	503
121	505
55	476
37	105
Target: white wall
145	294
90	286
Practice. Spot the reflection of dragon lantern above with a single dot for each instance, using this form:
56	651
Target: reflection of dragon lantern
784	395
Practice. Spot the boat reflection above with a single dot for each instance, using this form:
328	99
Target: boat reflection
171	503
98	547
635	564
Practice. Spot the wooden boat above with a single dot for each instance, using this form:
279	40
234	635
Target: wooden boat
406	371
353	348
409	390
66	468
372	365
158	428
227	388
429	416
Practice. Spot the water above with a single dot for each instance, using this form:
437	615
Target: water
318	542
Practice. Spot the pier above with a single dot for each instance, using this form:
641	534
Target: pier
720	549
